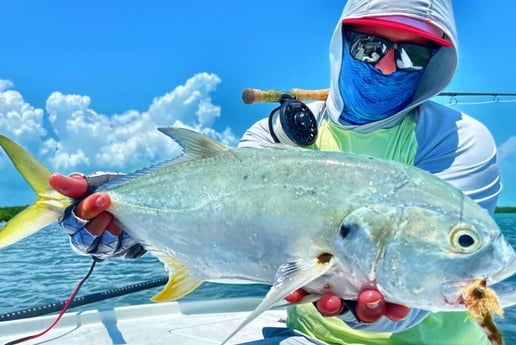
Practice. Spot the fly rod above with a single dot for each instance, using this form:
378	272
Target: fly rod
78	301
250	96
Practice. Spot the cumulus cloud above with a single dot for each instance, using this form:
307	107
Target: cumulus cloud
185	101
130	139
19	118
68	135
5	84
508	149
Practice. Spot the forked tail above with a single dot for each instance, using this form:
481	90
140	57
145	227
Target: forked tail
47	208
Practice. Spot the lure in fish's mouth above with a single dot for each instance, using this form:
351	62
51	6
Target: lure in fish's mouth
453	292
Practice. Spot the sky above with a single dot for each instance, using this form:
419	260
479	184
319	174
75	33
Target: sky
84	84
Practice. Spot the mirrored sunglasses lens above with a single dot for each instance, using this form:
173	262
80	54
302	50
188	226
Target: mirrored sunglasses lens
368	49
411	56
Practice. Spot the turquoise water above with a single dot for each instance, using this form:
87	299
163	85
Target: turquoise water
43	269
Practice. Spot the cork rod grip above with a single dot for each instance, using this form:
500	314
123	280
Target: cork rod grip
250	96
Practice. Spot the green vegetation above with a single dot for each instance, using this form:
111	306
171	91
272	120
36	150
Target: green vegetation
7	213
505	209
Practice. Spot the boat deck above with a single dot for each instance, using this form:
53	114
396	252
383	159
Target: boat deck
185	323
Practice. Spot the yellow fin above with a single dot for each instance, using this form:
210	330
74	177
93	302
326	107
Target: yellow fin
49	205
180	281
26	223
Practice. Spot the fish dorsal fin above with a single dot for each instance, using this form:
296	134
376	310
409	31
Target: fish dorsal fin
289	277
196	145
180	281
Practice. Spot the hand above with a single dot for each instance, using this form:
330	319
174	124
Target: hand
93	230
92	208
370	306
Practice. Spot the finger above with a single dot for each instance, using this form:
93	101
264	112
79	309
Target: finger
93	205
295	296
370	306
113	227
330	305
396	312
103	221
73	186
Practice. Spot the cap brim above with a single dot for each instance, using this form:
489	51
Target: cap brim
376	22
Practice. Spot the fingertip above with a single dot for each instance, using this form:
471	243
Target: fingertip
295	296
330	305
396	312
71	186
93	205
370	306
103	201
56	181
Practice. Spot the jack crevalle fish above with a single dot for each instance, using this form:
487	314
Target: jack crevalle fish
325	221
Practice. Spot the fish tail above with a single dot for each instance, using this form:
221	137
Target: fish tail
49	205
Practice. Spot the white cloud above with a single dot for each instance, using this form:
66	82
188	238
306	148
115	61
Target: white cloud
81	139
188	103
19	118
5	84
508	149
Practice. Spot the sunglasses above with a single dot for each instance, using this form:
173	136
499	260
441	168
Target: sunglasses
371	49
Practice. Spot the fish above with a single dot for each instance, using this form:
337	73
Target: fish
327	222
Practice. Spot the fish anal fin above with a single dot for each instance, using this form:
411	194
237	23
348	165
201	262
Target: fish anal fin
180	282
289	277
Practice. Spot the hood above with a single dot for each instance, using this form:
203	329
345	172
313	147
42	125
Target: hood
438	73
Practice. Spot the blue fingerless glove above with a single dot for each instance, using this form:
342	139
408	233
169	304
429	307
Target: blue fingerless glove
101	247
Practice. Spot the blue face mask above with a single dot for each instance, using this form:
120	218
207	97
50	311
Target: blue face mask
369	95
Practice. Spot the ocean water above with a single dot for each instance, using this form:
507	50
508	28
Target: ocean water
42	269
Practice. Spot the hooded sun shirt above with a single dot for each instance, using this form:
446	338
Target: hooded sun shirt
437	74
419	132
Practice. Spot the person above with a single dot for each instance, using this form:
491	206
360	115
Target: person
388	58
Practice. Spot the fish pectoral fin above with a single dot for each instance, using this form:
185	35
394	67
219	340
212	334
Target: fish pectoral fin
180	281
289	277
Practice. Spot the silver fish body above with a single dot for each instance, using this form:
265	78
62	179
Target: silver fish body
242	213
324	221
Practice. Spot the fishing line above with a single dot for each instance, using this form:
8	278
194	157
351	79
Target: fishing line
456	102
61	313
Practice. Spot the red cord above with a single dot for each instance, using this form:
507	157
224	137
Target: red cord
61	313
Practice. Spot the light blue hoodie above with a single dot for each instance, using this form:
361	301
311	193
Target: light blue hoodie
431	136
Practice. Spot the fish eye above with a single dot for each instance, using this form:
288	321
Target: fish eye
464	238
345	229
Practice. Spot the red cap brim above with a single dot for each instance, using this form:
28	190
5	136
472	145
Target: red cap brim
380	22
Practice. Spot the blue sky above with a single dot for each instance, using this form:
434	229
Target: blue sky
83	84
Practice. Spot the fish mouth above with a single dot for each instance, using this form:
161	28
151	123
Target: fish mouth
453	291
506	272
